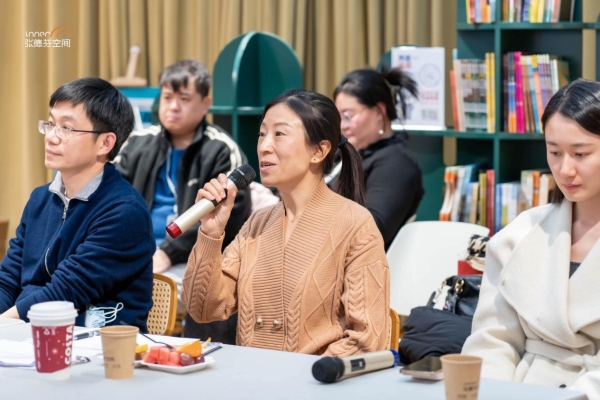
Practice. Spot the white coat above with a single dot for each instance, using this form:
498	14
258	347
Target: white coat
533	323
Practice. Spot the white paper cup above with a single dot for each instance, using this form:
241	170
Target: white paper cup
52	325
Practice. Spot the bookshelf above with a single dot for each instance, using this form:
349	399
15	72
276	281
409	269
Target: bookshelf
506	153
251	70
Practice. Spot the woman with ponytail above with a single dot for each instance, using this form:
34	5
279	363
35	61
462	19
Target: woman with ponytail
308	274
366	100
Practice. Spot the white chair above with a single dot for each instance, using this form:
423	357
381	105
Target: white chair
421	256
411	219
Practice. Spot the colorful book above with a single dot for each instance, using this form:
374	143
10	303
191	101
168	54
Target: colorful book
483	198
454	100
459	94
474	202
498	207
547	185
526	7
538	91
519	93
490	197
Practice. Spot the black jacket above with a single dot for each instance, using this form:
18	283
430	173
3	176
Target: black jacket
393	184
211	152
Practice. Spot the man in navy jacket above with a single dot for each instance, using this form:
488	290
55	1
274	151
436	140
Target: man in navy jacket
87	236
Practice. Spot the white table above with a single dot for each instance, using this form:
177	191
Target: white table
246	373
6	322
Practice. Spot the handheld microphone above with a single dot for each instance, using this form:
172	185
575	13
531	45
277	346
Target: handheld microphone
332	369
239	179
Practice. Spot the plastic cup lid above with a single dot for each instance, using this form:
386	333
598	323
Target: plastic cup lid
52	309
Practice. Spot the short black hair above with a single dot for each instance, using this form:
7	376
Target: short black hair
176	75
106	107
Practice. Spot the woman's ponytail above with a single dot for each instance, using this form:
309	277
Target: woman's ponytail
351	181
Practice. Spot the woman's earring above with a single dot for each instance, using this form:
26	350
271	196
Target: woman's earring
381	132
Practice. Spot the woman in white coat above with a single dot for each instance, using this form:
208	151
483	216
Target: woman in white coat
538	317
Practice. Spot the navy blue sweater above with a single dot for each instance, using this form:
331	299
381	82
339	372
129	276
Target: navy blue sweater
99	253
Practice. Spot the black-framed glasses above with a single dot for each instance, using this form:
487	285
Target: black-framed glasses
63	132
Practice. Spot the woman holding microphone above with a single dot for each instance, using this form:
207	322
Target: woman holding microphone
308	274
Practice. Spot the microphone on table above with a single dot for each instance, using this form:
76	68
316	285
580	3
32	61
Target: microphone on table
332	369
239	179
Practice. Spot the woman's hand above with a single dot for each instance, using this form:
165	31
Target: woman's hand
213	223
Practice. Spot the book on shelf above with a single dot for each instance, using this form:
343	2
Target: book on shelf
472	94
483	11
449	188
458	190
529	81
547	186
474	202
491	197
473	195
482	198
426	65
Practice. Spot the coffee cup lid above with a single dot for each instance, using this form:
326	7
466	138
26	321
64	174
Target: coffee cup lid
52	309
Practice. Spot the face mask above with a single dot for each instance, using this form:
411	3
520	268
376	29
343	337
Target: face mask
97	317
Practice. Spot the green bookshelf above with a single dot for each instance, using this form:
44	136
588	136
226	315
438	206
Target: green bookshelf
506	153
251	70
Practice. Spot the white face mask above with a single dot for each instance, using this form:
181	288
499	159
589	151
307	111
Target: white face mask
97	317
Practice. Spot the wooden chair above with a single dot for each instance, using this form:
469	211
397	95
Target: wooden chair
3	237
394	330
161	319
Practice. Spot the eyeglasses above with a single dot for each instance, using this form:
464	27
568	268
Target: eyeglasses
347	117
63	132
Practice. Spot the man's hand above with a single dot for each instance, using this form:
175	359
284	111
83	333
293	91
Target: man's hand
11	313
160	262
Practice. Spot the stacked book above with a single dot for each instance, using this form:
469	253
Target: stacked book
473	94
466	194
481	11
537	10
529	81
471	195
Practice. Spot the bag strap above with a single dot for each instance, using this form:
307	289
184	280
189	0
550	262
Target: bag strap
434	295
454	282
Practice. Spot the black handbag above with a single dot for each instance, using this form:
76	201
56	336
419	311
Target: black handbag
429	332
463	294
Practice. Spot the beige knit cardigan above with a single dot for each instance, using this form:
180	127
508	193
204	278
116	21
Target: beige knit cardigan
325	292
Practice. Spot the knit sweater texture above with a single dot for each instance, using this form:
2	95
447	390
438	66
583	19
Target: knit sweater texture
324	292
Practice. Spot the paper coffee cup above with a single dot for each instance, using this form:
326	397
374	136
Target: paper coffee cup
461	376
118	348
52	325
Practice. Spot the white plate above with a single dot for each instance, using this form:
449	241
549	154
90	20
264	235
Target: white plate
181	370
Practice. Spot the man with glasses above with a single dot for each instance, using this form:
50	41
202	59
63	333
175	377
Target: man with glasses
87	236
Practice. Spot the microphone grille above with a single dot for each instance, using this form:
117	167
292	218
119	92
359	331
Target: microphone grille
242	176
328	369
